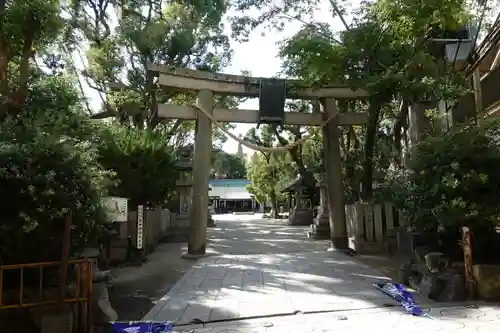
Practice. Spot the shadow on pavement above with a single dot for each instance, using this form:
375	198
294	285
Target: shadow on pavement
134	290
247	286
250	234
262	267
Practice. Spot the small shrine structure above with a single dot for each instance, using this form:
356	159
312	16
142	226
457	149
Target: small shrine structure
299	192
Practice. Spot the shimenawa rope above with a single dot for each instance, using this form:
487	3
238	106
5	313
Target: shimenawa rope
257	147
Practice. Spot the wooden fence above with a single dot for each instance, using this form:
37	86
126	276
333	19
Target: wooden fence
370	226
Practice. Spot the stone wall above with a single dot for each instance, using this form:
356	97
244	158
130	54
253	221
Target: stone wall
487	279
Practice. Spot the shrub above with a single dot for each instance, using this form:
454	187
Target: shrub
453	181
43	178
143	162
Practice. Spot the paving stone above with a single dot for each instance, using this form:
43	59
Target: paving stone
227	309
239	285
209	284
252	308
196	311
362	321
172	315
193	282
216	273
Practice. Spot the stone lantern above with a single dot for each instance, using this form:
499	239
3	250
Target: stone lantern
320	229
179	226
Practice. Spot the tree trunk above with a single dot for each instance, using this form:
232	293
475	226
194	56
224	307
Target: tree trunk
152	102
371	131
398	125
4	56
294	153
24	71
274	204
297	158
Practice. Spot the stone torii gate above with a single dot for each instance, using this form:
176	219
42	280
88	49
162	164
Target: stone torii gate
207	84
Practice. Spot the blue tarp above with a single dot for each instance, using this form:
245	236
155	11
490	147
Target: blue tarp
142	327
399	293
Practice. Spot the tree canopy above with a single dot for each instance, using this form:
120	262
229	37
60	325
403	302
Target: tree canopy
143	162
52	52
225	165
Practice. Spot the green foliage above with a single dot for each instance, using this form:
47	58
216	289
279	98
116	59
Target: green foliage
312	149
415	17
168	33
31	21
386	53
228	165
268	175
453	181
54	105
142	161
44	177
48	167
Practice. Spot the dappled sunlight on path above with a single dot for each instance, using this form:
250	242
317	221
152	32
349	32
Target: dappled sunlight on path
242	286
446	319
265	268
251	234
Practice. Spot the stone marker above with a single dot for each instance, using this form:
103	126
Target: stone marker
454	290
404	240
430	286
435	262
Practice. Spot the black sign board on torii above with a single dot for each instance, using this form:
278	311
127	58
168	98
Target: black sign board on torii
272	97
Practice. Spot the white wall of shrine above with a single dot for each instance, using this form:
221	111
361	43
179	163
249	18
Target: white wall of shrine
229	189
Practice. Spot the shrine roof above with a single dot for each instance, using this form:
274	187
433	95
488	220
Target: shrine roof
298	183
228	182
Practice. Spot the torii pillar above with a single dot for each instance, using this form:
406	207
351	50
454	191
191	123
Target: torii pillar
333	172
201	176
183	79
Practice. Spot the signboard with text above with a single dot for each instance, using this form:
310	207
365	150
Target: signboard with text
117	208
140	227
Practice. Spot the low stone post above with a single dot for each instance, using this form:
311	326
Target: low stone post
210	220
320	229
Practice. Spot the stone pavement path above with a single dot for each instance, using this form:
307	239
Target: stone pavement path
282	279
251	234
446	319
267	277
242	286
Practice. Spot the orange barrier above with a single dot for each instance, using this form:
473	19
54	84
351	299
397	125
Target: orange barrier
83	294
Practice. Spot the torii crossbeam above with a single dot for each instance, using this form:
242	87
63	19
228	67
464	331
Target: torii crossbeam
188	80
206	84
